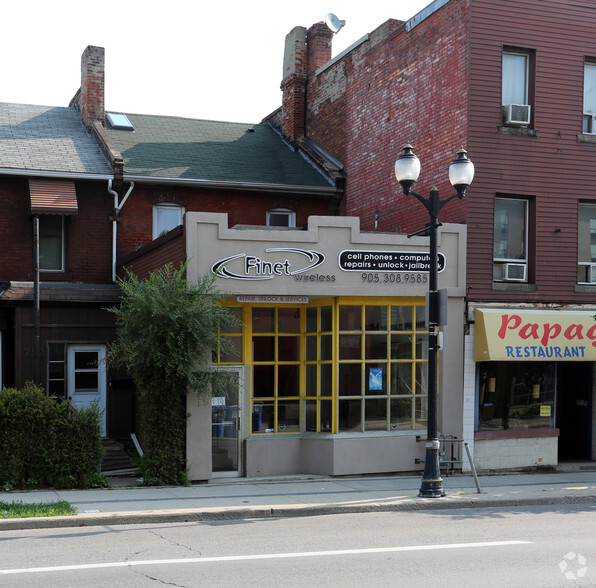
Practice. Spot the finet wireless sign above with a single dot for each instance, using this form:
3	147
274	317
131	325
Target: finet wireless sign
387	261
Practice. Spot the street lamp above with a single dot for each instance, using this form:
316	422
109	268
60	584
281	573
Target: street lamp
461	174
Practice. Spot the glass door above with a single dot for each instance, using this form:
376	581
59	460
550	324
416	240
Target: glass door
87	378
226	428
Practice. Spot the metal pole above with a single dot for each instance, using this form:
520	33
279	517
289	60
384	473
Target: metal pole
36	310
432	483
473	468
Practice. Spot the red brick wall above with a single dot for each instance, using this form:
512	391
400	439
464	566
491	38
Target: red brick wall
244	208
398	86
165	249
89	234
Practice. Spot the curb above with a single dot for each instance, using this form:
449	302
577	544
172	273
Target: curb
218	514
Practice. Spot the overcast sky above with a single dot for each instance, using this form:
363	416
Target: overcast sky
208	59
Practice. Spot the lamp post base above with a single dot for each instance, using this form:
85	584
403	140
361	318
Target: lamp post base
431	489
432	483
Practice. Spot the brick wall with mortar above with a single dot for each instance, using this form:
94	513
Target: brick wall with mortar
91	99
397	86
136	227
88	234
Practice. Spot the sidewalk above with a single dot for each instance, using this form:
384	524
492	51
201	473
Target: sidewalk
259	498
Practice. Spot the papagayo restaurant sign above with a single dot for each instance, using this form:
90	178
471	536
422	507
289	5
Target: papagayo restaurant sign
534	335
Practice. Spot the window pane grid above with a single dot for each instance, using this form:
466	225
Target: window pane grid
319	370
382	367
379	354
277	350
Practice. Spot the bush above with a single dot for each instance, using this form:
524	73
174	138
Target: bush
46	443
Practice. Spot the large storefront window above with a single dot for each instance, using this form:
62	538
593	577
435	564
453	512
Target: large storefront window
516	395
333	366
382	368
231	351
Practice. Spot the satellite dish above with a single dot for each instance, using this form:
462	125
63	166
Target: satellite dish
333	22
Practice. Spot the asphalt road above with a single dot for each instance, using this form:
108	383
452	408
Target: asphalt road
504	547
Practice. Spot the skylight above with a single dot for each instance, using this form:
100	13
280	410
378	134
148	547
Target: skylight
119	121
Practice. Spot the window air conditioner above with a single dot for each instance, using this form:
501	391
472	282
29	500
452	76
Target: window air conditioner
589	123
591	274
517	114
514	272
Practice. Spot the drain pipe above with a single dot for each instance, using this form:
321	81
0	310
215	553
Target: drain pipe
117	209
36	308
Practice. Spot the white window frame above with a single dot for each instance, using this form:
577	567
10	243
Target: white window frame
289	214
507	97
589	104
158	229
44	218
498	260
586	243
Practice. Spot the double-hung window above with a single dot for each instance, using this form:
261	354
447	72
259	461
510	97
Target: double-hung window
516	90
589	123
586	244
51	242
166	217
510	246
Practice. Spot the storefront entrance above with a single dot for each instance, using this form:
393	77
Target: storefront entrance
226	438
574	409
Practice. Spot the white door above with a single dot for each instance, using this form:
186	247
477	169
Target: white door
226	428
87	378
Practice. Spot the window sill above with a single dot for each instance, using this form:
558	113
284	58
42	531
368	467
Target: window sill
514	287
515	434
56	276
585	288
518	132
586	138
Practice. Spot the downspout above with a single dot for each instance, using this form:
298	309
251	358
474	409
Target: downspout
117	209
36	309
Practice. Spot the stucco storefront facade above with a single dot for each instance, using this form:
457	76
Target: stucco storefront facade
329	366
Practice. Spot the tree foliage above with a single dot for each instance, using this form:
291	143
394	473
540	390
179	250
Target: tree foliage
167	330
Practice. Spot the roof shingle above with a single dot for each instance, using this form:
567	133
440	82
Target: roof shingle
50	139
180	148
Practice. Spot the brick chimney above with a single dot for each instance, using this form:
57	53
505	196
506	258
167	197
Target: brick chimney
90	97
293	84
305	51
319	46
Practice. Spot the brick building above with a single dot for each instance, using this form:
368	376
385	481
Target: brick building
99	190
55	258
500	79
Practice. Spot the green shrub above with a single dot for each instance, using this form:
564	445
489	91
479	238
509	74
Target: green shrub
167	330
46	443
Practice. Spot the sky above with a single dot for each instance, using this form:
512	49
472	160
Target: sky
204	59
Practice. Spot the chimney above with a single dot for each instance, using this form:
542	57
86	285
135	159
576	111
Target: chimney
293	84
90	97
319	46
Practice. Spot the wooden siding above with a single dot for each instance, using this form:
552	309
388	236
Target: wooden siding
553	169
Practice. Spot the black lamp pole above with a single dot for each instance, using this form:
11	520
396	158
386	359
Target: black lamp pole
461	173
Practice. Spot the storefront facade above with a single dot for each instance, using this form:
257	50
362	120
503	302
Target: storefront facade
530	379
329	366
